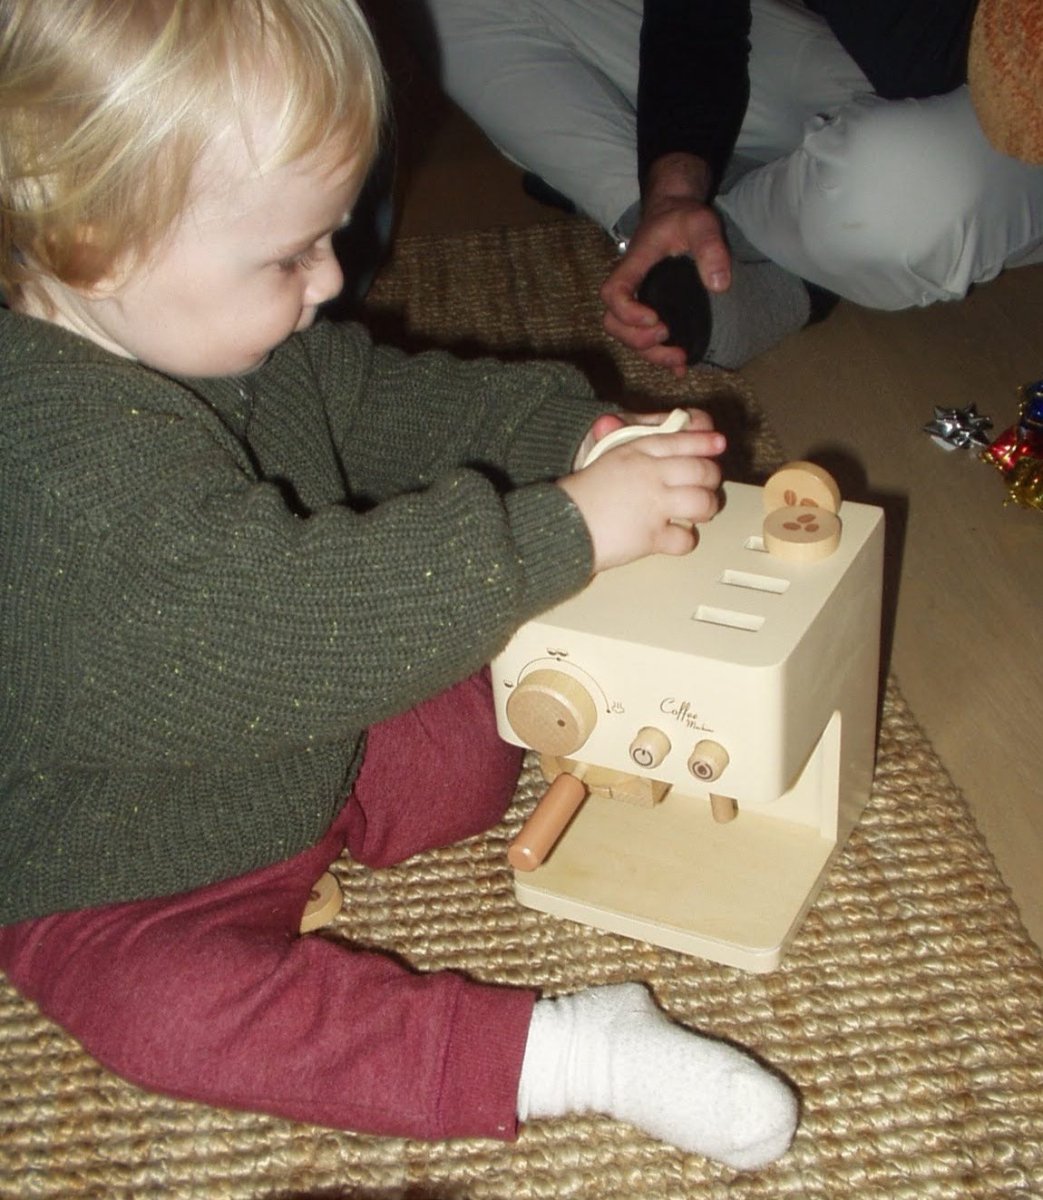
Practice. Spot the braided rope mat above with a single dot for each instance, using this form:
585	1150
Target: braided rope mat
908	1011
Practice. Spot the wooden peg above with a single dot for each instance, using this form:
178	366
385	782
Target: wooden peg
548	820
607	782
323	904
723	809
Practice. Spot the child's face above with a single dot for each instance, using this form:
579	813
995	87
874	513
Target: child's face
247	266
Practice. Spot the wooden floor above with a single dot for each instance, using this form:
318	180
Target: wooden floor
965	598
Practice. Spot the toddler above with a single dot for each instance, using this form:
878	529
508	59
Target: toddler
252	568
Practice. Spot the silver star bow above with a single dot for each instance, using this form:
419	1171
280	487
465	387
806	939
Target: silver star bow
960	428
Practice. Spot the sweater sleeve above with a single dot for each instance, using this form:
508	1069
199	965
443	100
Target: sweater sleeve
693	81
215	620
401	420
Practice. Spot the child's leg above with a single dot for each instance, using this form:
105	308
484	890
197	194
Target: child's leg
431	777
607	1050
213	996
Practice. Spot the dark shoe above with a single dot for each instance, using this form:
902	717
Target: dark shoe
822	302
534	187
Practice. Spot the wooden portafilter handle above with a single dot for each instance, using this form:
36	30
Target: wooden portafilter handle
548	820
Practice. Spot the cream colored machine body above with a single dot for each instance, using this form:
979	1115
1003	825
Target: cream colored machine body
730	677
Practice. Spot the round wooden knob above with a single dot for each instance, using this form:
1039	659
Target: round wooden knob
552	712
708	760
650	747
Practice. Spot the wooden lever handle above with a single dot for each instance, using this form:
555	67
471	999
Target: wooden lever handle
547	821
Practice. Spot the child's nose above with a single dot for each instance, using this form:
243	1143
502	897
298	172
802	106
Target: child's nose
325	279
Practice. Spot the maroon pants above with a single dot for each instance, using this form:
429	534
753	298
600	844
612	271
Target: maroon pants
214	996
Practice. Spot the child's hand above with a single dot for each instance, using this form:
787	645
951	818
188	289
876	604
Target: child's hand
610	422
637	498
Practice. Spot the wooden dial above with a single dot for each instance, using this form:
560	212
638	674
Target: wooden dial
552	712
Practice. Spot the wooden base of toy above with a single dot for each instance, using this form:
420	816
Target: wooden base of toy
673	876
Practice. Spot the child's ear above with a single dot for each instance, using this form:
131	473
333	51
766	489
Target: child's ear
83	259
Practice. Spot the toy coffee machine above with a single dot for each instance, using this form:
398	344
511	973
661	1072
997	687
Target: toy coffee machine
706	724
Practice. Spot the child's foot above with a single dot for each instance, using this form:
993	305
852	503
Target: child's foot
610	1050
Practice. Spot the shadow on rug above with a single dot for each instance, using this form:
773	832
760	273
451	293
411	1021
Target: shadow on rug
909	1010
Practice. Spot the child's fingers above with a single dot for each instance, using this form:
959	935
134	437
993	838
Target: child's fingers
686	494
675	538
694	504
699	419
689	472
605	424
688	443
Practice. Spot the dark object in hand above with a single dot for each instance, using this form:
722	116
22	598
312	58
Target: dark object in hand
673	288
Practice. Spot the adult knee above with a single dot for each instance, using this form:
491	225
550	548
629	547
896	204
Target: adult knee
890	206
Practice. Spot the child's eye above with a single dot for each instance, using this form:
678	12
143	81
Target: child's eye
299	262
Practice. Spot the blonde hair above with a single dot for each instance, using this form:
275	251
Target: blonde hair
107	105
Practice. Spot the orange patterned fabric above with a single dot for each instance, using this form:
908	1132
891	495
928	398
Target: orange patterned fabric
1005	71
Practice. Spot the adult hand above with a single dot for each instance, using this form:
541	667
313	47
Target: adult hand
676	219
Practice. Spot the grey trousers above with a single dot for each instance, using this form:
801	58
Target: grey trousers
887	203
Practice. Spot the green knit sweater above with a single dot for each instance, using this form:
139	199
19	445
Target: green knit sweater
212	587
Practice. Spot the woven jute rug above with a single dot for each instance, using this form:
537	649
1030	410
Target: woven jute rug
909	1011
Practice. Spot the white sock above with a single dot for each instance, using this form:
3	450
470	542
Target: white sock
610	1050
